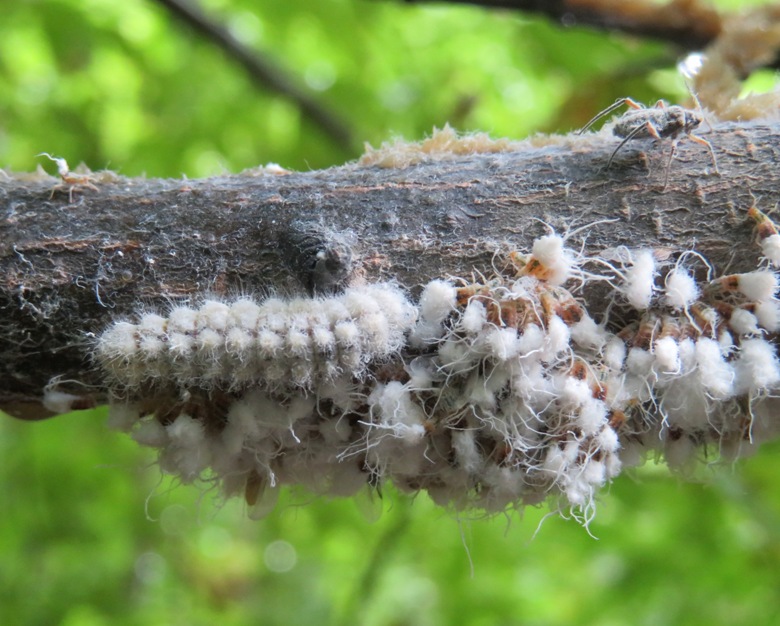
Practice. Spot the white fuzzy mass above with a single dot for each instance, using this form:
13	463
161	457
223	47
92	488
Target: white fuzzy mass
492	394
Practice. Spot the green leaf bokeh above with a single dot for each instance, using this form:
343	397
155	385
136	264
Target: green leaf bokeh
91	536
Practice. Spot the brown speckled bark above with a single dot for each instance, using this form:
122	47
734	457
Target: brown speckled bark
69	269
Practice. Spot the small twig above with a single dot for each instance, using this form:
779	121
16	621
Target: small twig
264	71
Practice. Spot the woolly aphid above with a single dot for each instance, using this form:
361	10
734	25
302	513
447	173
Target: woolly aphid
767	236
639	280
70	180
489	394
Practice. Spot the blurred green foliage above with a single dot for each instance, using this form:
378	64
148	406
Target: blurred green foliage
91	536
122	85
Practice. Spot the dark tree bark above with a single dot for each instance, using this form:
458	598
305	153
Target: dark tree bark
69	269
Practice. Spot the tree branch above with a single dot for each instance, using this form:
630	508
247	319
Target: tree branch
689	24
70	269
264	71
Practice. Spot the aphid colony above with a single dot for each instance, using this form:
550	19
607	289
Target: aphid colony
488	394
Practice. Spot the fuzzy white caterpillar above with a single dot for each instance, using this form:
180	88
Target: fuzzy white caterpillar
304	340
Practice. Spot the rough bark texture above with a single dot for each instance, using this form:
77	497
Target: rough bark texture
68	269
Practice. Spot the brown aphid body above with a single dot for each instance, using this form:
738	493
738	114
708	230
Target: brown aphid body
670	327
658	122
765	227
561	303
645	334
704	318
579	370
723	286
515	313
534	267
464	294
616	419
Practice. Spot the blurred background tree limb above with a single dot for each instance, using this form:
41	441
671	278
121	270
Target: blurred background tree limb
265	71
689	24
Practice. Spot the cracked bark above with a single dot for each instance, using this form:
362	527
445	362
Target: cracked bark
68	270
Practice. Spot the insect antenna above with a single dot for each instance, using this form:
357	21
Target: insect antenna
699	107
617	104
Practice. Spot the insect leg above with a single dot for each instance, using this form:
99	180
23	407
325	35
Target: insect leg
636	105
672	154
652	130
704	142
634	132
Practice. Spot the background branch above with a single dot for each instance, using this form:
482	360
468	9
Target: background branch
689	24
265	72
